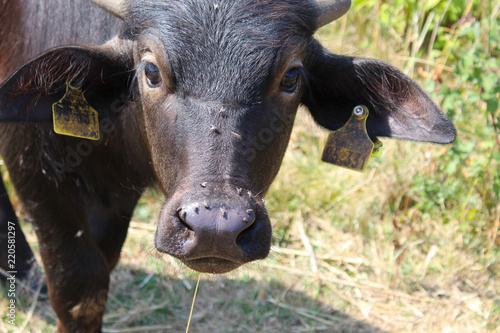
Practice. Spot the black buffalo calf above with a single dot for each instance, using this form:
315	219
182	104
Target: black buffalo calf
196	96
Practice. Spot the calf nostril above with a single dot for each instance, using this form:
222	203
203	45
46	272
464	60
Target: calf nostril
182	214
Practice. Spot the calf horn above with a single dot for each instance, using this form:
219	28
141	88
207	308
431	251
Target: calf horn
114	7
330	10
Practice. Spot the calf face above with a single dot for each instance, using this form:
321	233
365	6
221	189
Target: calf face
214	89
218	101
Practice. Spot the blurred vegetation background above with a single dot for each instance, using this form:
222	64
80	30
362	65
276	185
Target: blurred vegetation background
411	245
452	49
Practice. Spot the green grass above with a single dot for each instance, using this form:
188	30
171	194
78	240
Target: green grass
411	245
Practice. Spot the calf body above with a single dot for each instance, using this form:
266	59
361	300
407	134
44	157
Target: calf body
15	255
196	97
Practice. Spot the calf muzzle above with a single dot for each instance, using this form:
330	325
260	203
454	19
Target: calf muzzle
214	231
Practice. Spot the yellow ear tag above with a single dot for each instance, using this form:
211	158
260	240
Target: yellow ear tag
350	146
73	116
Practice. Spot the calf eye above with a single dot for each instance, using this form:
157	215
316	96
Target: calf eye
289	80
153	75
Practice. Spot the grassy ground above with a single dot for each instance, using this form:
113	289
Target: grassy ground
409	246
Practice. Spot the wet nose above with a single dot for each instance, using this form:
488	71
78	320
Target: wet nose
214	235
216	223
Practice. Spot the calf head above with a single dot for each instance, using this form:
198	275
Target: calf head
214	88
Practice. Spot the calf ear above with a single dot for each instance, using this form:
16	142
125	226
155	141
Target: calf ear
100	71
398	107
